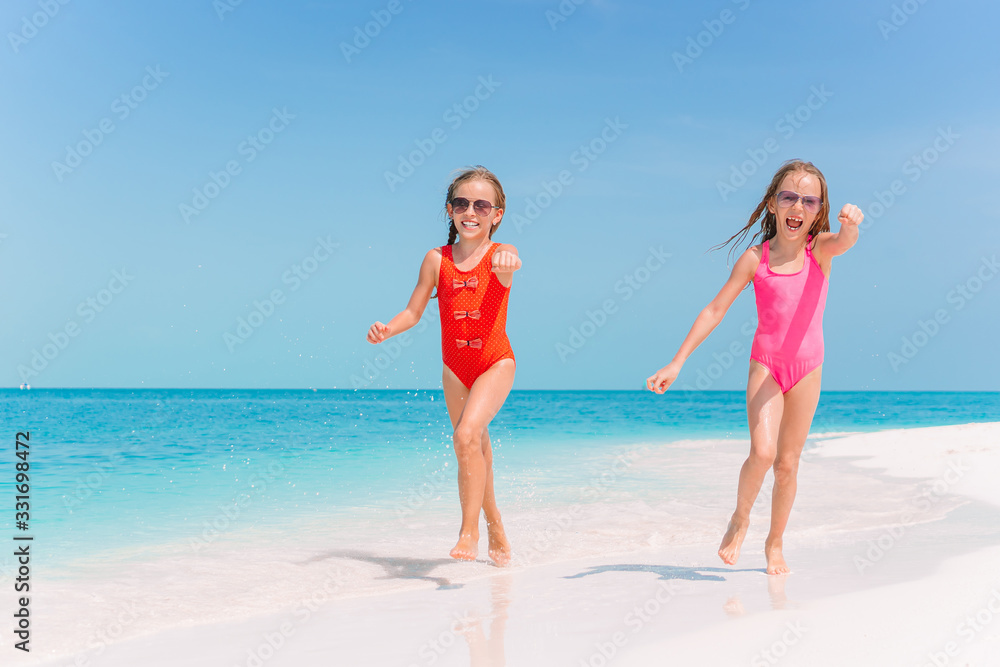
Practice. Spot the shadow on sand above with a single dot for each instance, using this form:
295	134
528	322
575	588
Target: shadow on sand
484	650
667	572
733	606
396	567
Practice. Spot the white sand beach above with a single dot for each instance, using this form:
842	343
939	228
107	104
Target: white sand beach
894	545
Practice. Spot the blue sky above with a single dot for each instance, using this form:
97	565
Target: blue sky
172	168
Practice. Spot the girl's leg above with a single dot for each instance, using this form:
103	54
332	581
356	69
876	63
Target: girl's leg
800	406
455	395
764	408
499	546
477	409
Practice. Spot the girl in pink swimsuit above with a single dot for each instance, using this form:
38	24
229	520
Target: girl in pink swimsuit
790	273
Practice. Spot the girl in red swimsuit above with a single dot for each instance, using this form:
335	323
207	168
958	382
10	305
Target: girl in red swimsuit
789	271
472	275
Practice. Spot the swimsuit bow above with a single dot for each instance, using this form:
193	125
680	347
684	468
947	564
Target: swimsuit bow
472	282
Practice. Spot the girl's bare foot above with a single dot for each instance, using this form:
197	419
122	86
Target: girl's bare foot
775	560
729	550
499	546
467	547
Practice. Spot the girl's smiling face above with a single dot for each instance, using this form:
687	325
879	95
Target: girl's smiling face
470	224
794	222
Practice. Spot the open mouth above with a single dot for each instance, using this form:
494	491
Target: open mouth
469	224
793	223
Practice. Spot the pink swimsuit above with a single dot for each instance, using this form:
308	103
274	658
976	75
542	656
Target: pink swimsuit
789	337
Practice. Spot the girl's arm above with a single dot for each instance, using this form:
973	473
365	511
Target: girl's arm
414	310
505	263
831	245
707	320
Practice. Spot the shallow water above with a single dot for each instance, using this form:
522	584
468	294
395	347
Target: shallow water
143	470
213	506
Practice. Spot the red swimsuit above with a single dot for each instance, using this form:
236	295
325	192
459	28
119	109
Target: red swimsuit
473	306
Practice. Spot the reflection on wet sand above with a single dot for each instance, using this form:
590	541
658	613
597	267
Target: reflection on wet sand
775	590
489	651
734	607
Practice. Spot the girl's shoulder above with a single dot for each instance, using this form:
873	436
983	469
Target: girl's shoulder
818	247
819	240
747	263
818	250
433	258
753	254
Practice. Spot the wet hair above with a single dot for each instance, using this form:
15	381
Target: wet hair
768	221
477	173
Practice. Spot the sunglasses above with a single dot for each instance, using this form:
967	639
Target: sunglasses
787	199
482	207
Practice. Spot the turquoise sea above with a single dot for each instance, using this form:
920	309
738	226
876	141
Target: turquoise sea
139	469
